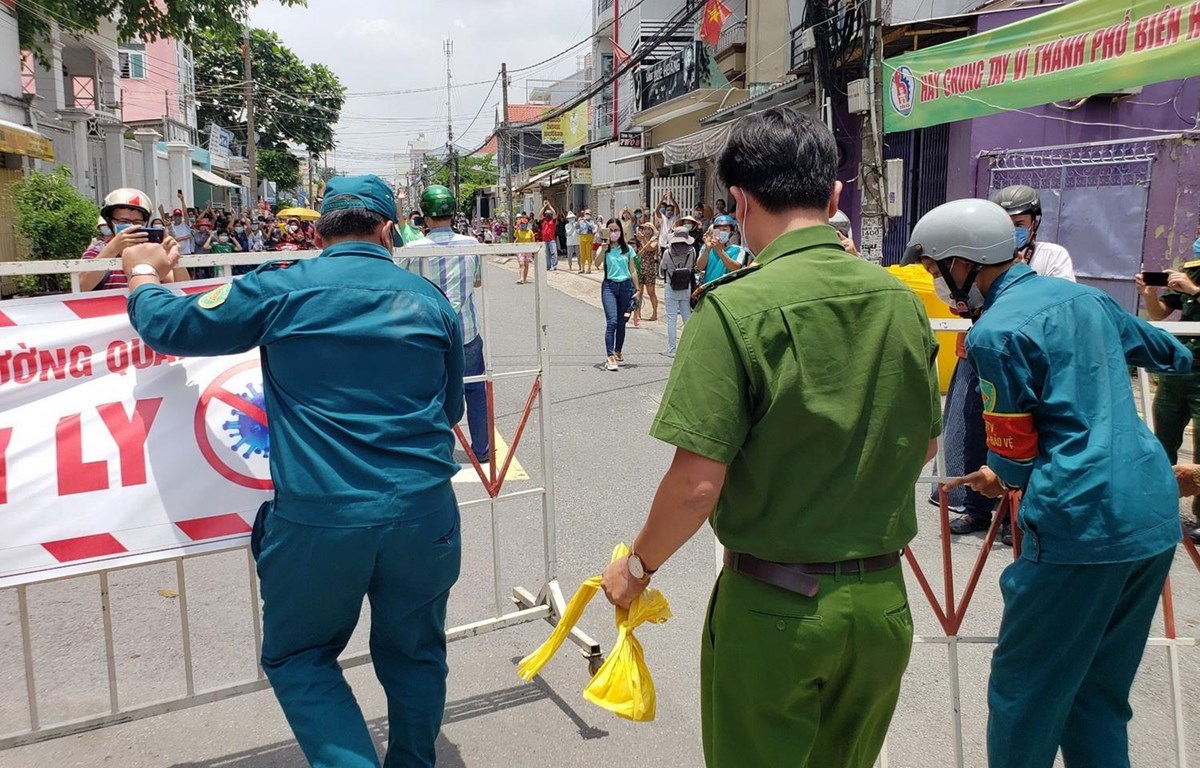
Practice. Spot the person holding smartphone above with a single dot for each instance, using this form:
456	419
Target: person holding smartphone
1177	399
125	211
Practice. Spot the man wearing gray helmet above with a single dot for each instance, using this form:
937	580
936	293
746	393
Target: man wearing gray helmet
1100	509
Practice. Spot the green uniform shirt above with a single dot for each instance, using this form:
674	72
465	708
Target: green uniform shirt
813	376
1188	306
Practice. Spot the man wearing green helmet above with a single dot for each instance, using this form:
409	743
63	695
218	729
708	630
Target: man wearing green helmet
1100	506
458	277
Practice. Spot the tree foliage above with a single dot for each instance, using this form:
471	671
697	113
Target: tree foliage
294	103
56	222
138	19
474	173
279	166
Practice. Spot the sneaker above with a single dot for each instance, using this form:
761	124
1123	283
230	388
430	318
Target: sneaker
611	364
1006	536
1194	535
965	524
668	353
620	359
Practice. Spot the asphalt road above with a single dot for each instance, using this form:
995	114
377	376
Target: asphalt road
605	473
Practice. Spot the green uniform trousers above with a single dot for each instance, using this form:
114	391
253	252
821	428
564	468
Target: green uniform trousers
1071	640
788	681
1176	402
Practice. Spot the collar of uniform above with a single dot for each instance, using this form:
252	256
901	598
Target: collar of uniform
1011	275
446	228
358	248
798	239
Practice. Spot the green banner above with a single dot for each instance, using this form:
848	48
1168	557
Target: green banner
1081	49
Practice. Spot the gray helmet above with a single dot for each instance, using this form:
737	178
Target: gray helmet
973	230
841	222
1018	199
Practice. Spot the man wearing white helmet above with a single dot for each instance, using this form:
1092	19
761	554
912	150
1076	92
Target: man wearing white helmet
125	212
1099	513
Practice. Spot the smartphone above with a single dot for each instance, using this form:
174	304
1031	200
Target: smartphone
155	235
1155	278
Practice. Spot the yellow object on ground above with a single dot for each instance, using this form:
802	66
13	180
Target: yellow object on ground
623	684
920	281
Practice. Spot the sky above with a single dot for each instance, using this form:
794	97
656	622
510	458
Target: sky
394	45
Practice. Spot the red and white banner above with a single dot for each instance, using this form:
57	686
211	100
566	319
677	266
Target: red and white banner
113	454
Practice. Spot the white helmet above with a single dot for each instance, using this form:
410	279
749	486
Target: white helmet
978	231
126	197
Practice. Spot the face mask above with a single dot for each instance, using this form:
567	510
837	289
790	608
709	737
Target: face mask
699	214
224	238
239	230
662	211
723	236
974	296
178	221
1022	236
254	227
106	231
122	227
614	237
293	228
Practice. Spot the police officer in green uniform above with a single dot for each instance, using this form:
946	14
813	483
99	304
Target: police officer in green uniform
363	378
1177	400
802	404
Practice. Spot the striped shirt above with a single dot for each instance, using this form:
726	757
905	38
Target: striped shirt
115	278
455	275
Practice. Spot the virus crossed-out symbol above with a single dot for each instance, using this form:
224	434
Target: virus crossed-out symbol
247	435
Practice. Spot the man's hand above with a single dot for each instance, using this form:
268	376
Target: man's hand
162	256
122	240
983	481
1142	288
619	585
1178	281
1185	475
847	244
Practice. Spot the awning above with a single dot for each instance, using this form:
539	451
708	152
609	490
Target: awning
636	155
706	142
567	157
23	140
212	178
782	94
534	180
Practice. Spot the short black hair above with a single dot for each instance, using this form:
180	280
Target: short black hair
348	222
785	159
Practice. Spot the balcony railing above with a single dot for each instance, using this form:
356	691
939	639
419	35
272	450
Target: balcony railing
800	57
733	34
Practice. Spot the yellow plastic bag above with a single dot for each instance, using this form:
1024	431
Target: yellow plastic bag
623	684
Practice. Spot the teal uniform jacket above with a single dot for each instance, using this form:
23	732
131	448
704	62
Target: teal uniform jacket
362	370
1061	421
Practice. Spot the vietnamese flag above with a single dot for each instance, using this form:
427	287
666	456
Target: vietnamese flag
715	14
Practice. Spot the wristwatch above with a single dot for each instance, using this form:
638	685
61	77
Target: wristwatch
638	569
143	270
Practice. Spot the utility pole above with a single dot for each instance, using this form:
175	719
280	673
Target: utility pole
451	157
251	139
502	140
616	43
872	221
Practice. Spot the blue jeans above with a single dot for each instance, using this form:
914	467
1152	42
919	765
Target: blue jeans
551	254
678	303
616	298
476	395
965	442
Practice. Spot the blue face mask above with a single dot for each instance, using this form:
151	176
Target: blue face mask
1022	236
122	227
723	236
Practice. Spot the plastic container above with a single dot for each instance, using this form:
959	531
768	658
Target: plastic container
920	281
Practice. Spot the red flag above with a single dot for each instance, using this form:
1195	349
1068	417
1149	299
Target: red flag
619	53
715	14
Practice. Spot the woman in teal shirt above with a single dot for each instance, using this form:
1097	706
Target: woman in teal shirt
616	292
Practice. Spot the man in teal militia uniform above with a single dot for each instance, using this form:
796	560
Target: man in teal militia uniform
362	372
1100	510
803	404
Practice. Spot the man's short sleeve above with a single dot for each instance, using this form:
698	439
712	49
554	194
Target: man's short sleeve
706	406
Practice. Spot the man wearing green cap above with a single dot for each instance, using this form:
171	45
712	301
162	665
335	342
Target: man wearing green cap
362	373
458	277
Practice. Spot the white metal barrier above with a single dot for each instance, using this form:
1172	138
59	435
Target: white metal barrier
510	609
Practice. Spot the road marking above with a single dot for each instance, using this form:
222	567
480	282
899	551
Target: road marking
467	474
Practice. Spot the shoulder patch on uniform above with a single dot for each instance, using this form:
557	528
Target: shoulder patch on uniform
988	390
273	265
215	298
1192	264
707	288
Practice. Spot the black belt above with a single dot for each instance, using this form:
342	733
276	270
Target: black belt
800	577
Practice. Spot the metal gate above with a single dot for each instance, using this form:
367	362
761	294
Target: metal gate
1094	198
512	605
926	156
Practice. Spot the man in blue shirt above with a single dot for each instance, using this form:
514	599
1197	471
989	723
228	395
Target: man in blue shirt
1100	512
362	372
458	277
718	258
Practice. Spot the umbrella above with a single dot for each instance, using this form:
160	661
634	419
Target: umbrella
304	214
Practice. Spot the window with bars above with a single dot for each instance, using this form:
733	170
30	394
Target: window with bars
132	57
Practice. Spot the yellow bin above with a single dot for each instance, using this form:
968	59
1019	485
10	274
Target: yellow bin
915	277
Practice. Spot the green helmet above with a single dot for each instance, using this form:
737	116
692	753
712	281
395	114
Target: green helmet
437	202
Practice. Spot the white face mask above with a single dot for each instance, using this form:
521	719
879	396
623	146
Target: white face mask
974	296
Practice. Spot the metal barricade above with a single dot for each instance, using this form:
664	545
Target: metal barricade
520	606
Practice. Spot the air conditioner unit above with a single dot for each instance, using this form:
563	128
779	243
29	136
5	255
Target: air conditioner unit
858	96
